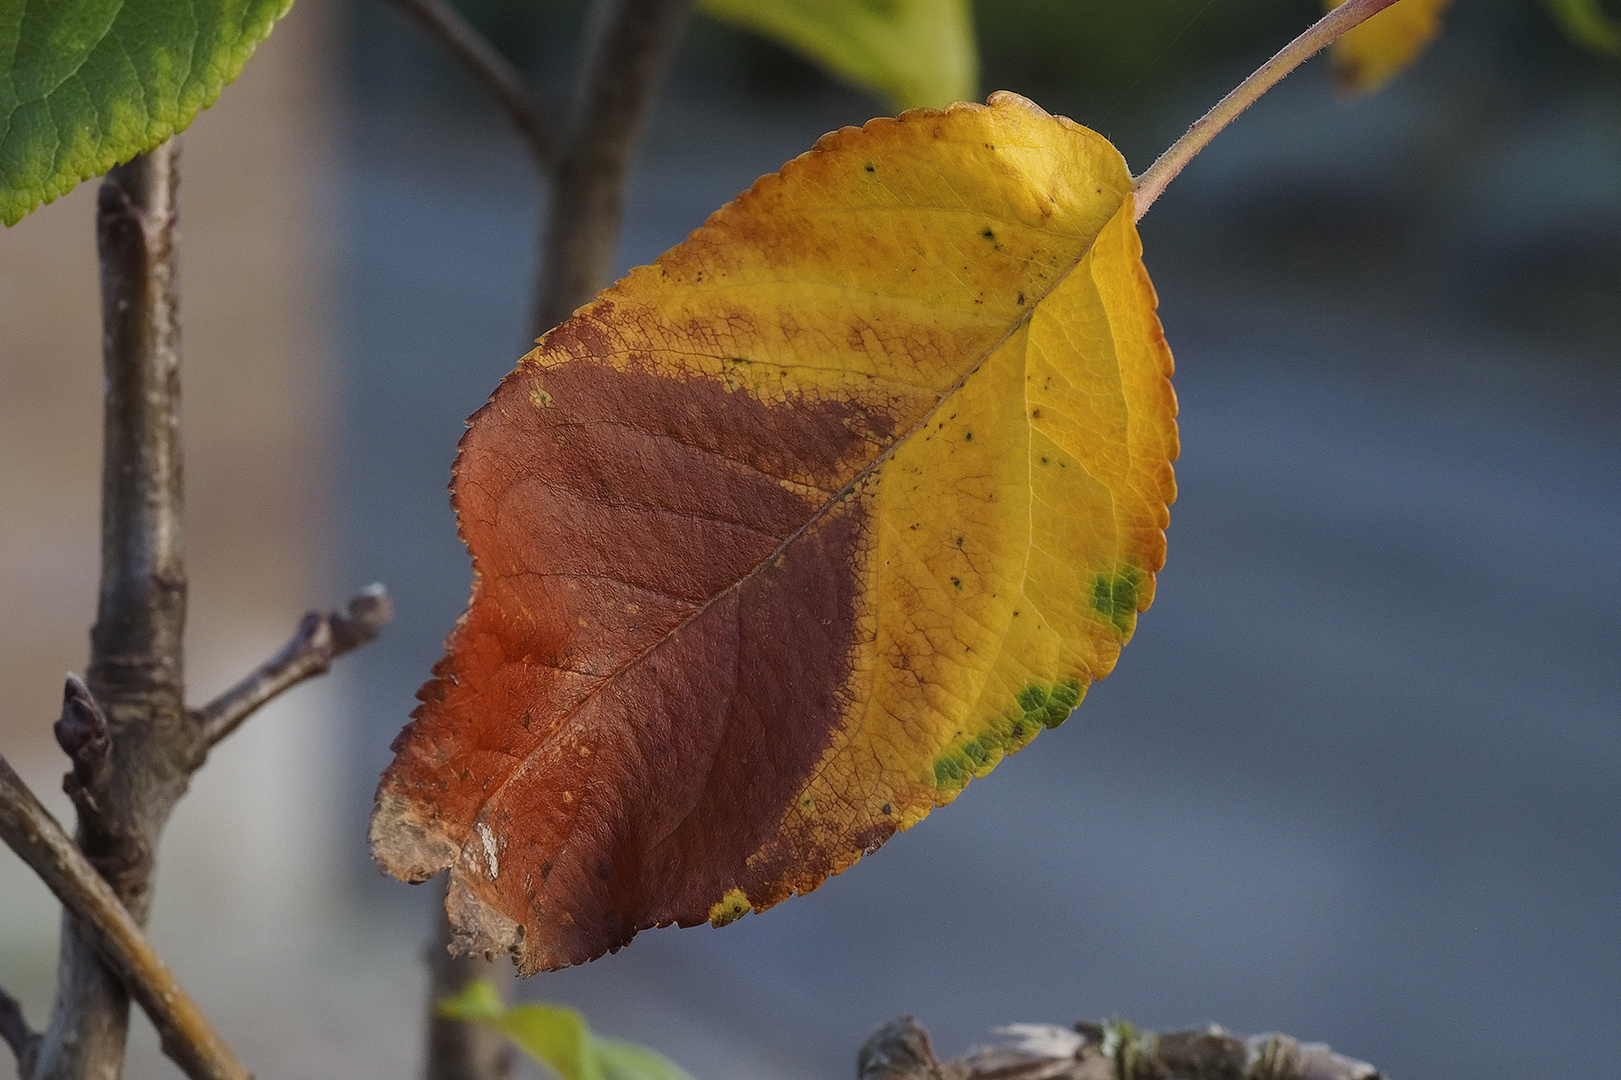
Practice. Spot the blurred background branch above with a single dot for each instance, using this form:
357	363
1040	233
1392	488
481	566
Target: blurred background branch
492	71
900	1050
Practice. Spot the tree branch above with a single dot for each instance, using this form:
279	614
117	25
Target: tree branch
900	1050
630	45
321	638
492	71
1316	38
136	665
188	1038
14	1029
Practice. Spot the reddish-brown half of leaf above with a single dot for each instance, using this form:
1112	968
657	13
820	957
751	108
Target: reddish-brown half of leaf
789	535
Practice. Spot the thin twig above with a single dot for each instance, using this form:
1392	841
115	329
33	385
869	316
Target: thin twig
499	77
321	638
188	1038
629	47
14	1029
1303	48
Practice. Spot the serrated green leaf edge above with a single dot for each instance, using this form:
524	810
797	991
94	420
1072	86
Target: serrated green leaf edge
1586	23
560	1039
912	52
89	84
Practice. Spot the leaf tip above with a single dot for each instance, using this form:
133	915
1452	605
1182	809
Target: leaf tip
404	845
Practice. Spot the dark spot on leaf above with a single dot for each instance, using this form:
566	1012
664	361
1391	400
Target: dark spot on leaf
987	234
1021	299
870	167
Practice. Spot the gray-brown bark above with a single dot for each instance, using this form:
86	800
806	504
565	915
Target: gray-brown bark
14	1029
900	1050
136	670
100	917
630	44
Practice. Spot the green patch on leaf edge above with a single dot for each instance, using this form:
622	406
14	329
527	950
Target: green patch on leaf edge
1115	596
1036	707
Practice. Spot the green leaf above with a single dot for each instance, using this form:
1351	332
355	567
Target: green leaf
913	52
1586	23
622	1060
88	84
477	1001
560	1039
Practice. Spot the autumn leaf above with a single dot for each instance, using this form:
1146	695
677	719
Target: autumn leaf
87	84
788	536
560	1039
913	52
1368	56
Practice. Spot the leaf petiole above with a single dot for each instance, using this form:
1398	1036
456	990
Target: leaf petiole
1316	38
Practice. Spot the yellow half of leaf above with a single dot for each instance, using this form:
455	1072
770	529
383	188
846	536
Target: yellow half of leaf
1370	55
912	52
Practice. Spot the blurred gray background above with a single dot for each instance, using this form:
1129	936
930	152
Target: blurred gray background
1358	775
